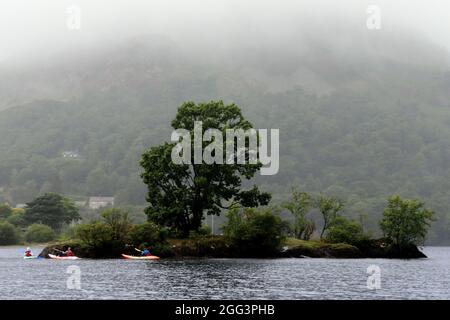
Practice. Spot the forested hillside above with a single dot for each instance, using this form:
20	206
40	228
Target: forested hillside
360	134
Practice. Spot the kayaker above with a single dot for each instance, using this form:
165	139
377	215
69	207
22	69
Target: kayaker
68	252
145	252
28	252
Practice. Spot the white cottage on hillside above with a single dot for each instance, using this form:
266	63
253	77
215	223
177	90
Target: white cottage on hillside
70	155
100	202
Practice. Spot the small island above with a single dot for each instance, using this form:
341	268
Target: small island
181	194
218	247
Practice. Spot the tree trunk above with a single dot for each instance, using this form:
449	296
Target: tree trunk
196	221
323	231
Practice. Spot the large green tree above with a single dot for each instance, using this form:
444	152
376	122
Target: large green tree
180	194
405	222
51	209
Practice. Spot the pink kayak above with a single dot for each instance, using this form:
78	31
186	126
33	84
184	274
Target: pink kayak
52	256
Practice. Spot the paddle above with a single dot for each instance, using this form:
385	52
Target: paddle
54	249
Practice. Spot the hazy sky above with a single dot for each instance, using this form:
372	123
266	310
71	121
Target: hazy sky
29	28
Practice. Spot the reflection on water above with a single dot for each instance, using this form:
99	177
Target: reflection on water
226	278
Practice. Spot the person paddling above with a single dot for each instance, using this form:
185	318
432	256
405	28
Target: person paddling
28	252
68	252
144	253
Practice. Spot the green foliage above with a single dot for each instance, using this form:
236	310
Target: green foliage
17	220
345	231
203	246
113	230
329	208
321	249
406	222
147	234
119	223
96	234
8	234
51	209
67	232
115	235
180	195
204	230
299	205
255	232
5	211
39	233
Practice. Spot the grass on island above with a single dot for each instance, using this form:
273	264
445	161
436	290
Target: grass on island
315	244
321	249
289	242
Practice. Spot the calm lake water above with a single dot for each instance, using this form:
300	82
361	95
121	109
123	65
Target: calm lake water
225	278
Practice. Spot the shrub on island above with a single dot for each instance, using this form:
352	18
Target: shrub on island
255	232
344	230
147	234
115	234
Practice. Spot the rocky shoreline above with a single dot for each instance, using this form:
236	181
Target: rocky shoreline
217	247
364	249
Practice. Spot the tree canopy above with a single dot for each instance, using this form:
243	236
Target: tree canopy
52	210
406	222
5	211
180	194
299	206
329	208
8	234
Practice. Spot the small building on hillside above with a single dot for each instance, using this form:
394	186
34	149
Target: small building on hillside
70	155
100	202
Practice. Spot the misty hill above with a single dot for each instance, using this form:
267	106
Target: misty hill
360	126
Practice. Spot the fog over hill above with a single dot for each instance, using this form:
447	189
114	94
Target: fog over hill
362	113
315	44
